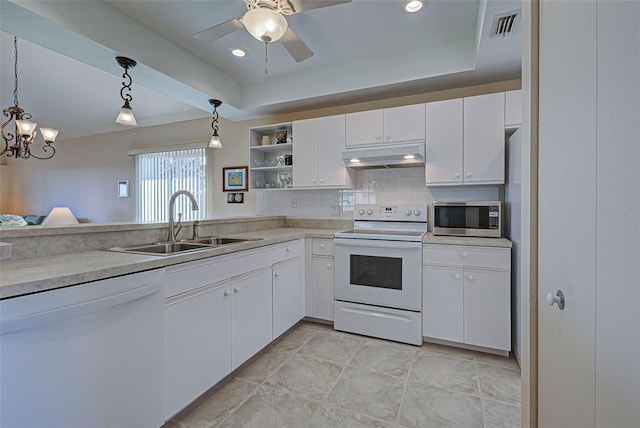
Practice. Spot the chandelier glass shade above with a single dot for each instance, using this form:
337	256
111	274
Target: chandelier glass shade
18	143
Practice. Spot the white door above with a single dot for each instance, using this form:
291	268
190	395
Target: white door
305	153
288	295
322	288
404	124
364	128
484	141
579	169
197	344
250	315
439	320
444	142
331	144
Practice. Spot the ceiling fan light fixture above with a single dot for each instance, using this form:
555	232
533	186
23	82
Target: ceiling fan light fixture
412	6
264	24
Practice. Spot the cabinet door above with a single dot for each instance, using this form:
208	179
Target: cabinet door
404	124
197	344
364	128
487	309
442	303
305	153
322	288
484	141
288	295
331	143
443	164
513	109
250	316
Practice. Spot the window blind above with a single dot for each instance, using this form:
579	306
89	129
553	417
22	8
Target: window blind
159	175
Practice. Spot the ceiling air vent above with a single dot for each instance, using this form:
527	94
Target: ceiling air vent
505	24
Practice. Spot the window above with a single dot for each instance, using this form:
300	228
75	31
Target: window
159	175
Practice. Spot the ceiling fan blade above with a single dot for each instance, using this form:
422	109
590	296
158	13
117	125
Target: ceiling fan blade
218	31
304	5
295	46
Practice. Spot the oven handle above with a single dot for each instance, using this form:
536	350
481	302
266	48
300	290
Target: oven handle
377	243
378	314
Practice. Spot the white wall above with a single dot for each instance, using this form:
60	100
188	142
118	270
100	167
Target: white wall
513	232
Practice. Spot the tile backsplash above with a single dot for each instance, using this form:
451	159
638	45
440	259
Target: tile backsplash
372	186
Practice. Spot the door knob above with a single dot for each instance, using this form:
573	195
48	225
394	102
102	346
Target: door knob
558	299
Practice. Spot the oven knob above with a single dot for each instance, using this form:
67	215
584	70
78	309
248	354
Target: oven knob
416	212
369	211
361	211
407	212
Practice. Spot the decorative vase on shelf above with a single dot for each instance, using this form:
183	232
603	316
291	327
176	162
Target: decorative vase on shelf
281	137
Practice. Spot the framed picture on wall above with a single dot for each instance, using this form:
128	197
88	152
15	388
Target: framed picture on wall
235	178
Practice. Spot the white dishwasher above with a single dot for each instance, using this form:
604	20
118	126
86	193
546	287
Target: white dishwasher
90	355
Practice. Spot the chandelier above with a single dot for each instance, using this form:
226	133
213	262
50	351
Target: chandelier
18	144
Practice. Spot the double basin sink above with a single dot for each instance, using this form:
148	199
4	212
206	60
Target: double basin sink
170	248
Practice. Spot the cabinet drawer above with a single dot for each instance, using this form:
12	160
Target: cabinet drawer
322	247
215	269
458	255
286	250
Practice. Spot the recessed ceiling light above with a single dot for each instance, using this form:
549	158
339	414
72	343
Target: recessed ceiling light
354	160
409	156
413	5
239	52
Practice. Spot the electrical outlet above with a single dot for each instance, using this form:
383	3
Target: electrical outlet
294	203
336	210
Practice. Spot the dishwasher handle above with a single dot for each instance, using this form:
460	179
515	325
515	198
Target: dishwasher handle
47	317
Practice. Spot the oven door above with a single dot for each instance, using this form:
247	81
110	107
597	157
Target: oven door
379	272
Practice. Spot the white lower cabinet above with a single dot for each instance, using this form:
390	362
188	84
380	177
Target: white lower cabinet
322	288
288	295
251	314
467	295
197	344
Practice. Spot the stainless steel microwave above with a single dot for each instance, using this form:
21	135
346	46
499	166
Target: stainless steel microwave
482	219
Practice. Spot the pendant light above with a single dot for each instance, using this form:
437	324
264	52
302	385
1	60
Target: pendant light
215	142
126	116
17	145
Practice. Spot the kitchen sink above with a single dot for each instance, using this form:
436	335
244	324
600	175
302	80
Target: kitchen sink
216	241
162	248
170	248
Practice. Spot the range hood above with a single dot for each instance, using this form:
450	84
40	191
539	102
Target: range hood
396	156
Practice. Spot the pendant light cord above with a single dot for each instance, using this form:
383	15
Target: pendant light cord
266	56
15	68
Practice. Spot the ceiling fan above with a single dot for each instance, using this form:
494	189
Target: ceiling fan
265	21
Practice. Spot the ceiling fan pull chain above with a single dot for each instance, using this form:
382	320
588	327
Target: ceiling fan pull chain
266	56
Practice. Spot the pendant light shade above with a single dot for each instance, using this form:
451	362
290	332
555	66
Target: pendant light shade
265	24
215	142
126	116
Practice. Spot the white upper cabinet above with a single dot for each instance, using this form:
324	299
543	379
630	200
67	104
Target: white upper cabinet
385	126
484	139
465	141
444	142
513	109
318	152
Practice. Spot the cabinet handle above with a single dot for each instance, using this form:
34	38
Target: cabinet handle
322	180
470	277
464	254
236	290
456	276
558	299
322	246
276	274
388	137
314	180
456	175
328	265
226	293
468	174
288	249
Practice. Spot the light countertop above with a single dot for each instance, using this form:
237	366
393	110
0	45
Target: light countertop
25	276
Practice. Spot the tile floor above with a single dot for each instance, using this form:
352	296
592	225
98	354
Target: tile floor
316	377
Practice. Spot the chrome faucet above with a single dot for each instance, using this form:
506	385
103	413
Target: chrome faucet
194	206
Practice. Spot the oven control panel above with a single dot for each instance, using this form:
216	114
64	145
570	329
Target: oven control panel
391	212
